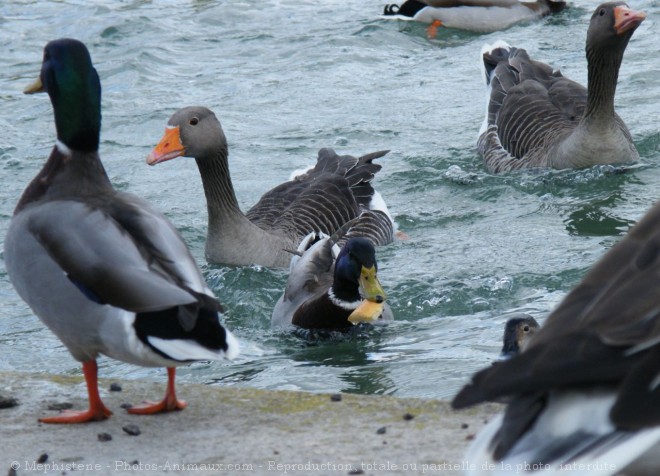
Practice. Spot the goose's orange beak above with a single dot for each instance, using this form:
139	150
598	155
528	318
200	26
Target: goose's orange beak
626	19
169	147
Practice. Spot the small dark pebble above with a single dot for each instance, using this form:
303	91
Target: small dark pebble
275	452
115	387
381	431
126	406
60	406
335	397
470	437
356	471
408	416
42	458
464	426
134	462
11	472
104	436
7	402
131	429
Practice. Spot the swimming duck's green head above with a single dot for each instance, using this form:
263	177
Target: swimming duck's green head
356	264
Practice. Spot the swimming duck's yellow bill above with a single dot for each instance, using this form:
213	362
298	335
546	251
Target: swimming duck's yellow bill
370	287
169	147
367	311
35	87
371	307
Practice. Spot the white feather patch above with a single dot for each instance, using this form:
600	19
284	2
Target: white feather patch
349	306
566	413
63	148
186	349
378	203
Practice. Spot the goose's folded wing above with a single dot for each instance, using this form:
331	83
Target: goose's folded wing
357	174
322	207
269	207
529	102
371	224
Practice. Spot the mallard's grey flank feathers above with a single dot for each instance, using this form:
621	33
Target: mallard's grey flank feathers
481	16
105	271
538	118
319	296
335	191
586	389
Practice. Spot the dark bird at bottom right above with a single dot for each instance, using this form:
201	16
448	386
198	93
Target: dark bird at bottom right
584	395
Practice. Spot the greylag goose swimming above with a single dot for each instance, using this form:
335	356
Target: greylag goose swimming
105	271
481	16
331	288
517	333
586	389
538	118
337	190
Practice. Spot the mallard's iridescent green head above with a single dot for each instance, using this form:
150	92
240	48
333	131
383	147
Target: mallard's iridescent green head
69	78
355	272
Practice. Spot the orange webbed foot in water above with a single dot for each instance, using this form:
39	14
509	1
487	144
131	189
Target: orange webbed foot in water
168	404
97	410
432	30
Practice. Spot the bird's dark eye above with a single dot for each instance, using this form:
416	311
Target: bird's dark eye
526	329
194	121
601	12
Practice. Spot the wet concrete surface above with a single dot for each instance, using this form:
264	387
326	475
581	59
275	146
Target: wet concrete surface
231	430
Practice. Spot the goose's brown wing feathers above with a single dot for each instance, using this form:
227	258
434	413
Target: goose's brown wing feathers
530	104
336	190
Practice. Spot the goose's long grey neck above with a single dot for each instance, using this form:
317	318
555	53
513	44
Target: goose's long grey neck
603	77
220	197
231	237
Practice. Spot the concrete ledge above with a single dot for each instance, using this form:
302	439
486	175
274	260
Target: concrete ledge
257	432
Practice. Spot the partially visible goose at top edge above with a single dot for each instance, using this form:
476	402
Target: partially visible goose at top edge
337	190
538	118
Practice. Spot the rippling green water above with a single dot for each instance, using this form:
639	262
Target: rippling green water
287	78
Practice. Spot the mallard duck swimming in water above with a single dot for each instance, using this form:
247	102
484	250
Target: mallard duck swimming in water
332	288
